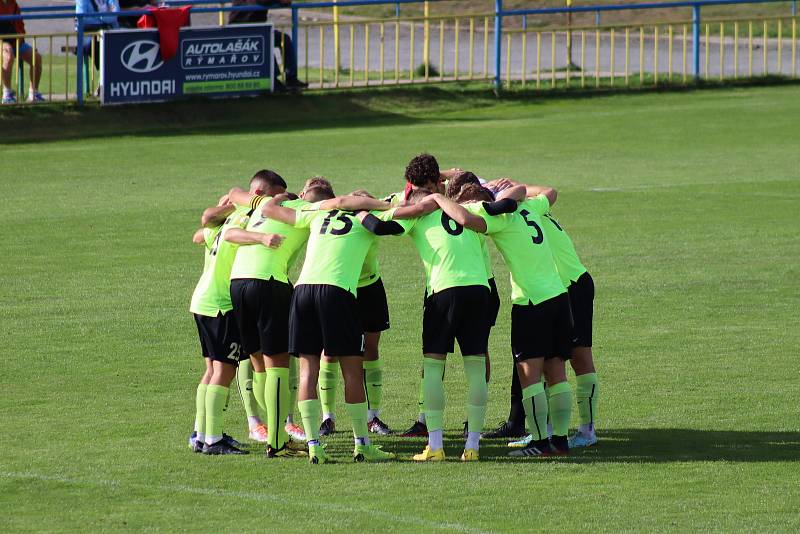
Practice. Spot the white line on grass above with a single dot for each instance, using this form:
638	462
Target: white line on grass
98	482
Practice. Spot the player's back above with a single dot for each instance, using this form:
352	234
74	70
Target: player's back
337	246
261	262
451	254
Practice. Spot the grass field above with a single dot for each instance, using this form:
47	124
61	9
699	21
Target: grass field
683	206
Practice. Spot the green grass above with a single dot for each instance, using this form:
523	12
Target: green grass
683	206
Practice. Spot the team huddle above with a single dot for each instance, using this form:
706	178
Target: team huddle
287	344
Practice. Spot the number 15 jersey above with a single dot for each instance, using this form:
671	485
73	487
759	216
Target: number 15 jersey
337	246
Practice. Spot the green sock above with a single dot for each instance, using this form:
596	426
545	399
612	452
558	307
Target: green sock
534	399
433	385
244	379
559	400
328	380
200	411
586	395
421	398
373	384
309	411
293	380
216	397
277	399
477	392
259	390
358	418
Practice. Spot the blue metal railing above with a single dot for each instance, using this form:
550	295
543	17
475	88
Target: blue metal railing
64	12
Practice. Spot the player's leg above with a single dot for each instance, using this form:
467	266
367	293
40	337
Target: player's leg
419	428
343	339
251	376
198	437
559	402
373	383
216	401
292	428
305	341
472	320
328	384
531	341
373	309
587	391
309	406
438	339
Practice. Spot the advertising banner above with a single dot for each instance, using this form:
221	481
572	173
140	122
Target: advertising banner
217	61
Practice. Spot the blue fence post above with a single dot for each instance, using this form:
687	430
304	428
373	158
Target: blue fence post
295	20
498	42
79	61
397	10
794	8
696	41
597	18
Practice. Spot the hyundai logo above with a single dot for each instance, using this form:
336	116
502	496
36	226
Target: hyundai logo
141	56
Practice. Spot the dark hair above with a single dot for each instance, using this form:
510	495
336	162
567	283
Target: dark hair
317	193
269	178
473	193
422	170
458	181
417	194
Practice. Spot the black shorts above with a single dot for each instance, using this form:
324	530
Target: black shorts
542	330
581	299
494	302
261	308
456	314
325	317
219	337
373	308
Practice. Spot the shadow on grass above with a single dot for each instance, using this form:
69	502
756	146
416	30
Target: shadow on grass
658	445
639	445
375	106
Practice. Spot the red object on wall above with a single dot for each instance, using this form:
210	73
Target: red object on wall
168	20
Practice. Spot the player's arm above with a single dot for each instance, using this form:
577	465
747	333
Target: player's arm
240	197
354	203
246	237
273	210
216	215
516	193
531	191
460	215
199	237
379	227
412	211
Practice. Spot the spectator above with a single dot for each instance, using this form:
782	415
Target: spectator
95	23
26	54
130	22
288	53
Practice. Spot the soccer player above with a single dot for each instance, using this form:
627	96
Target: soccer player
456	309
541	319
580	287
324	312
216	326
261	295
374	311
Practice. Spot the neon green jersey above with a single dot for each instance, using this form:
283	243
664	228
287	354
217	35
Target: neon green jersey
568	264
213	292
337	247
487	258
450	253
371	270
209	234
263	263
520	239
395	199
